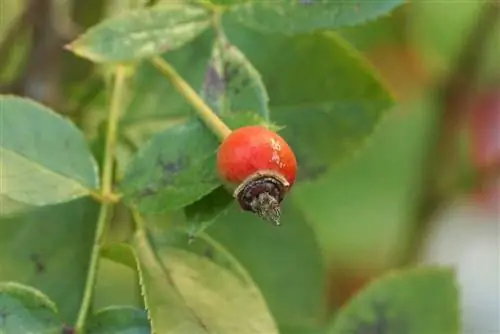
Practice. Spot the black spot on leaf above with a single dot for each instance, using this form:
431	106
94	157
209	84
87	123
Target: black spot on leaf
383	322
3	316
38	263
214	85
209	253
146	192
169	168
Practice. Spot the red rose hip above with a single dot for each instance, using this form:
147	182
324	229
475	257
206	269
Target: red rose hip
261	165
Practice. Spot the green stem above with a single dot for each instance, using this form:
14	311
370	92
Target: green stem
106	192
204	112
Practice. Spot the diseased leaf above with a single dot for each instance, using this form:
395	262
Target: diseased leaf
154	100
222	74
119	320
300	16
24	309
44	158
324	95
189	294
415	301
285	263
177	167
49	249
232	84
142	33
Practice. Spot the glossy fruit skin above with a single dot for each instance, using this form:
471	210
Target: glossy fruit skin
251	149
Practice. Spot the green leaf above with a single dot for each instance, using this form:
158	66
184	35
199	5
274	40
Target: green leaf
225	78
232	84
121	253
45	159
415	301
300	16
177	167
322	92
49	249
124	255
119	320
154	98
285	263
186	293
202	213
142	33
24	309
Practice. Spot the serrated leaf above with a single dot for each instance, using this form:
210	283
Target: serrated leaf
301	16
44	158
41	247
414	301
189	294
142	33
285	263
325	96
24	309
167	311
177	167
232	84
119	320
125	254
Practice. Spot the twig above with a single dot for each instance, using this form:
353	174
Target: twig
455	97
106	192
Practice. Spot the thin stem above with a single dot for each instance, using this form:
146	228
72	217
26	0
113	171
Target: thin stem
110	198
106	191
207	115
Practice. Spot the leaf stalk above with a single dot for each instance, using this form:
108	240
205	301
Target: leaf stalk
204	112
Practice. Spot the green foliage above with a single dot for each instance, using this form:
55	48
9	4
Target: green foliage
142	33
48	249
26	310
45	159
323	94
295	17
177	167
232	84
186	293
279	260
200	263
422	300
119	320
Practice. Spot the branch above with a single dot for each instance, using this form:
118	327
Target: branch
454	100
106	192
